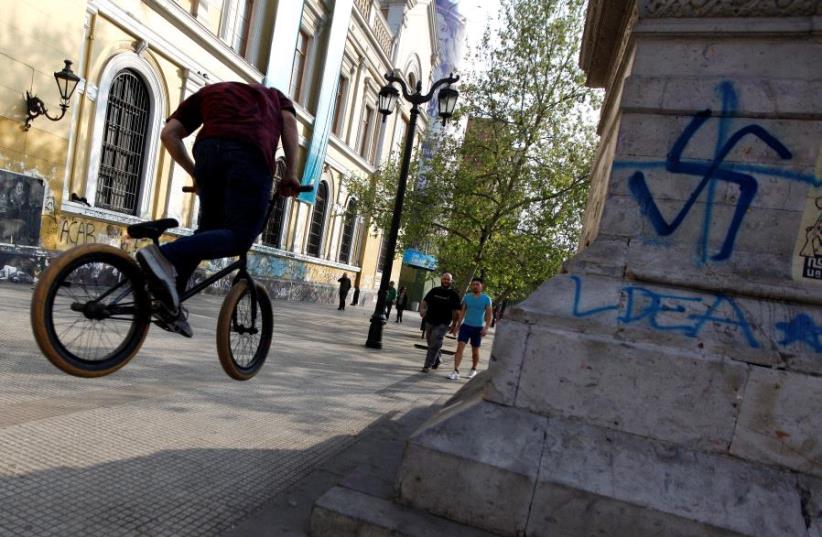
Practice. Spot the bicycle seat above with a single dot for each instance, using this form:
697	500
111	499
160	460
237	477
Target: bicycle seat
151	230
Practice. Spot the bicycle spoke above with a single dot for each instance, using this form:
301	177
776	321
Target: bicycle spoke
94	339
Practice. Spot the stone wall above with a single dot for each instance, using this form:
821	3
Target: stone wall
669	382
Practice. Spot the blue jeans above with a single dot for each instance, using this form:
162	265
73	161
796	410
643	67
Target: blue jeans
234	187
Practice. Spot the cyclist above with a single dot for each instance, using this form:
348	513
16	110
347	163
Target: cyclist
232	171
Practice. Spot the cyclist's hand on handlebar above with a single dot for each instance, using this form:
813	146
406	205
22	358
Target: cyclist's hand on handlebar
289	186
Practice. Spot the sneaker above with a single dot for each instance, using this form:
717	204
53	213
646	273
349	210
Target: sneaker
455	375
162	276
472	374
437	363
424	370
177	325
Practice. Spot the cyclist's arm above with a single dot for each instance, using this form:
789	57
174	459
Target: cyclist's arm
172	137
289	183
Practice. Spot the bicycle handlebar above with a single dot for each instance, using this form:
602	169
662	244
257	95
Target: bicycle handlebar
303	188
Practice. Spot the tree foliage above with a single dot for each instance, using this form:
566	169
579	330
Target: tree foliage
505	199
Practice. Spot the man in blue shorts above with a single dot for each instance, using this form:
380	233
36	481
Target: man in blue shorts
475	318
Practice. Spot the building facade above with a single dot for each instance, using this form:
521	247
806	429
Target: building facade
84	178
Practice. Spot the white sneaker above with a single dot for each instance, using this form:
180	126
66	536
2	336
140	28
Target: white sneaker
472	374
454	375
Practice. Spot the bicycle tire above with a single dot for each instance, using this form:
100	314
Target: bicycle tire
235	366
57	278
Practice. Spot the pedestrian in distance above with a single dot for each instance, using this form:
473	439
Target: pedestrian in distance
345	286
390	297
402	303
440	308
474	319
240	126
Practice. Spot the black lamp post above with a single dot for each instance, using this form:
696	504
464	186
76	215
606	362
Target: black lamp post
66	83
387	102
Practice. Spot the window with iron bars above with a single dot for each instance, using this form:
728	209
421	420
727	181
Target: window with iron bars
315	232
124	142
273	233
349	224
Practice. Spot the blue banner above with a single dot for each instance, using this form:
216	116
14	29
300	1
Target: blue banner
415	258
327	97
283	44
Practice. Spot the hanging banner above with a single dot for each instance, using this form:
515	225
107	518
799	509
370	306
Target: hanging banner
327	97
418	259
283	44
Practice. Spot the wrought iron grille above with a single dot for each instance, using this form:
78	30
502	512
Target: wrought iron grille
273	233
124	142
348	231
315	233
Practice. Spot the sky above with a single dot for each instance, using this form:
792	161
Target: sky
477	14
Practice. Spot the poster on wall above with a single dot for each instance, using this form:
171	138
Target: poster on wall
21	206
807	255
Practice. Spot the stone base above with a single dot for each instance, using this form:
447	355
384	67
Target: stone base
513	472
343	512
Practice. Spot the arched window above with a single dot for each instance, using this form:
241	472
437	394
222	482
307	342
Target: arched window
315	232
349	223
273	234
124	144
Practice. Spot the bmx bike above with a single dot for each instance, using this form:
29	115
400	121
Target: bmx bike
92	308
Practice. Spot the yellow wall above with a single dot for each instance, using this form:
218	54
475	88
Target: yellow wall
35	38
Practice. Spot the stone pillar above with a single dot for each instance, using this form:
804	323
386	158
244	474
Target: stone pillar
670	382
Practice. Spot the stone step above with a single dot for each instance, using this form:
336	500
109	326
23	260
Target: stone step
343	512
512	472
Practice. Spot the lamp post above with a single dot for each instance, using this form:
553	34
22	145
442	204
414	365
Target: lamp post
66	82
447	101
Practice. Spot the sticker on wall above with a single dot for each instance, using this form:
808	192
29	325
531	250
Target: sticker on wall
807	255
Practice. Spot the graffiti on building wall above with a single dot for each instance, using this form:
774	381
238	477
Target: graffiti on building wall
76	232
691	314
21	204
710	174
21	267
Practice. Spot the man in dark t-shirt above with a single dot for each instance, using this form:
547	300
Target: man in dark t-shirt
232	171
440	309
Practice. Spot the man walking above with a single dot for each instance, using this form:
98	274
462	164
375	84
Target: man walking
440	309
232	170
345	285
390	297
474	320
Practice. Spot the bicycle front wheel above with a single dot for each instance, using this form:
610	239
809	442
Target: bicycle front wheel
90	311
244	331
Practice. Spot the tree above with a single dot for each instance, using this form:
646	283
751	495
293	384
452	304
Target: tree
505	200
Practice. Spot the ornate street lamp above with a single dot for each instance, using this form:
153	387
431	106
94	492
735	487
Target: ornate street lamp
387	103
66	83
387	100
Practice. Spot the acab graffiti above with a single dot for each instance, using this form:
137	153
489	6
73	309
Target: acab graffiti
690	315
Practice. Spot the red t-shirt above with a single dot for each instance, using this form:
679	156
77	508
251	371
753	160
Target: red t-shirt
237	111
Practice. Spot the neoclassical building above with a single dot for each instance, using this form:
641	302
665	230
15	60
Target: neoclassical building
101	167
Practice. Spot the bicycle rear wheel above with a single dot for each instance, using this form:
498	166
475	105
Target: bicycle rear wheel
242	344
90	311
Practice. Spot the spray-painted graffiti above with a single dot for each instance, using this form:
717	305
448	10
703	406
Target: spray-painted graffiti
21	204
642	304
710	173
690	314
801	329
76	232
21	267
